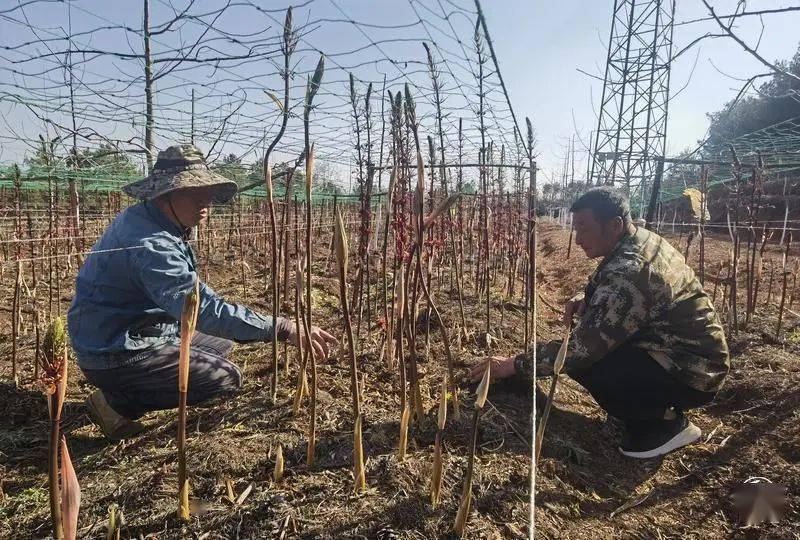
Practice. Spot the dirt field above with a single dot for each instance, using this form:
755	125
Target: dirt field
752	429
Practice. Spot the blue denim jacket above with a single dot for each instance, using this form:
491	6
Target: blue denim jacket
130	300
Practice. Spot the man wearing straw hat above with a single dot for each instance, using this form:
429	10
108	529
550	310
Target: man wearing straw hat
129	294
648	344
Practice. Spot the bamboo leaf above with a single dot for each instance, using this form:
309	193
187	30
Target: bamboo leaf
314	82
70	494
244	494
443	405
275	99
62	381
401	451
419	196
231	494
287	29
352	90
390	191
442	208
558	365
483	387
341	246
436	475
463	511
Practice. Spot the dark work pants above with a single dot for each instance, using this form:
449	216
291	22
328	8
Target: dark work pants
631	386
151	382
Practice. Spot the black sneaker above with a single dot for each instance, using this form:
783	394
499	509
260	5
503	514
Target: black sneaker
658	437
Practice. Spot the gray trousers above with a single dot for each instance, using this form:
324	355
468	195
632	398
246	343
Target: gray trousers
151	382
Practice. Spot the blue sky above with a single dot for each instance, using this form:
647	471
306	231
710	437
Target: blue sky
540	45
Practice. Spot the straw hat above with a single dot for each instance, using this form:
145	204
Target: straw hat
179	167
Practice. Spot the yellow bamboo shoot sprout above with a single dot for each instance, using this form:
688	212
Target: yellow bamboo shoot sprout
277	473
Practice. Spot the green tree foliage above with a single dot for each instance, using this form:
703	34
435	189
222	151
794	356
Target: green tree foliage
102	161
233	169
777	100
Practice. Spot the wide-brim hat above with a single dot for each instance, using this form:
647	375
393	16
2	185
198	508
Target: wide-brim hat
180	167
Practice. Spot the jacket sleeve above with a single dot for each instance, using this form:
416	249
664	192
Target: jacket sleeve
166	277
619	307
545	354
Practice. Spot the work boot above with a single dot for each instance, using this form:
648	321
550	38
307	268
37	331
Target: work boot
113	425
645	440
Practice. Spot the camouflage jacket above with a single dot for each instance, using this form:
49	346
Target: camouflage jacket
644	294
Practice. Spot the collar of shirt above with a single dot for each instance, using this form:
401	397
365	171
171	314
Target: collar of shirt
162	219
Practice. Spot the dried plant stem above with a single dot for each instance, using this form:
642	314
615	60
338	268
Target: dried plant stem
436	476
557	367
340	236
466	493
188	323
786	275
16	309
55	369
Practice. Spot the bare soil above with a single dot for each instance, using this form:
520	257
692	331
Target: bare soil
751	429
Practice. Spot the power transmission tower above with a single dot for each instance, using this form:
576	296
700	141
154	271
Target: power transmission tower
632	124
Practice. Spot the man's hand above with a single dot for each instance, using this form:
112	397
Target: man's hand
320	340
502	367
574	306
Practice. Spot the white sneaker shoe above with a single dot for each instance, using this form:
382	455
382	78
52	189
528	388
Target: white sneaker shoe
662	438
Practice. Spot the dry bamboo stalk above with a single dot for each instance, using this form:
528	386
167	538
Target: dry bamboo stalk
558	365
312	428
436	476
311	89
769	284
188	323
785	283
758	271
275	278
342	249
302	386
16	311
466	494
795	272
405	410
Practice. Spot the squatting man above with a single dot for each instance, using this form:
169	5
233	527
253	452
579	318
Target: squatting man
648	344
123	321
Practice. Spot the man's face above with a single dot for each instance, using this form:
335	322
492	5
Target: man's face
596	238
192	205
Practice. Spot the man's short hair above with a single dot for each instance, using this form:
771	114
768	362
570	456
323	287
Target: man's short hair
606	203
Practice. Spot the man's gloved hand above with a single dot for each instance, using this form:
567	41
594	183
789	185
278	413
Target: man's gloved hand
320	340
544	367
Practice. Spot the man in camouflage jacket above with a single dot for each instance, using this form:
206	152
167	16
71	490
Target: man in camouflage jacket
648	344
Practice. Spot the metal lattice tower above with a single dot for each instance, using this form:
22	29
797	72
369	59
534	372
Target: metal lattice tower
632	124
